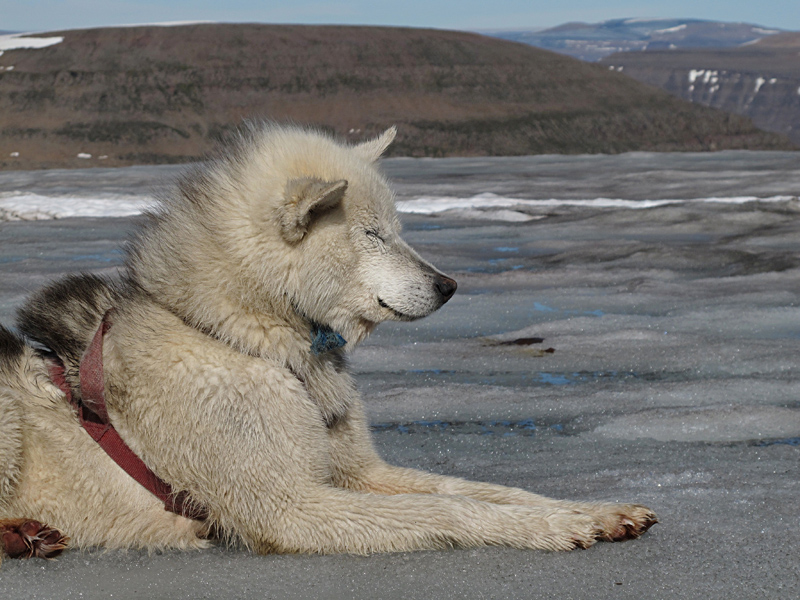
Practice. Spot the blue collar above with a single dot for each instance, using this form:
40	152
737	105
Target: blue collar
324	339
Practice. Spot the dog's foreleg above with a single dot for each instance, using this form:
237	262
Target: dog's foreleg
275	490
618	522
331	520
360	468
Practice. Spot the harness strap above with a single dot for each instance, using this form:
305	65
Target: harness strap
93	417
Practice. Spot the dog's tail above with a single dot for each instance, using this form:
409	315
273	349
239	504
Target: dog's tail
64	316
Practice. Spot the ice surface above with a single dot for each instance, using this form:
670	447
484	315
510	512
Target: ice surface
673	378
717	424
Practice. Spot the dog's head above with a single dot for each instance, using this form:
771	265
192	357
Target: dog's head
331	237
286	221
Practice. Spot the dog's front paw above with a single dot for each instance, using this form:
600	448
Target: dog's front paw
26	538
626	521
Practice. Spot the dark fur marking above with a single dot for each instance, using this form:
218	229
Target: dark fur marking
11	347
332	421
64	315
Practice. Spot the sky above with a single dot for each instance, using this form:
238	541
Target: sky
51	15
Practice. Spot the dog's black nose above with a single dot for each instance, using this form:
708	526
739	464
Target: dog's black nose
446	287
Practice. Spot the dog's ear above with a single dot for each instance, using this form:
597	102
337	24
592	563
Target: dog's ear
372	149
303	197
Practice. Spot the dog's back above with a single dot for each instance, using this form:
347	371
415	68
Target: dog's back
64	316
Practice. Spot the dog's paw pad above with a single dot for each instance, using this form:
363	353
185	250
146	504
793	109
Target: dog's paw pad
29	538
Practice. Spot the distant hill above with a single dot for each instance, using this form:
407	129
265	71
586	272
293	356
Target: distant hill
153	94
594	41
760	80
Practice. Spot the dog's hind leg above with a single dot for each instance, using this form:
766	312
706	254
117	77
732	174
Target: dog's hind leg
55	478
11	354
27	538
19	538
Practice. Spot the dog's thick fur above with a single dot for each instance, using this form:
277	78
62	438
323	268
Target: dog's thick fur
211	380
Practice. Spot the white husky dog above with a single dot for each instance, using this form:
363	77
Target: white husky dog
219	361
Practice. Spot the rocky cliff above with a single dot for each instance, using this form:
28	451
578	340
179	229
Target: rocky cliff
760	80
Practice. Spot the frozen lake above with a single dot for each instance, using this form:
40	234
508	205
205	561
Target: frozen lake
644	351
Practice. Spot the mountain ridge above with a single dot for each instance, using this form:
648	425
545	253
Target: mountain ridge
155	94
594	41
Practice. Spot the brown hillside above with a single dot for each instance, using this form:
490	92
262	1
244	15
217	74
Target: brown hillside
165	94
782	40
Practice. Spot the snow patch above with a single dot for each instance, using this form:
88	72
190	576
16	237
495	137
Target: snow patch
705	76
31	207
694	74
644	20
509	216
672	29
759	82
430	205
18	41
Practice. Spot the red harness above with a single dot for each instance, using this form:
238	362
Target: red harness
93	416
